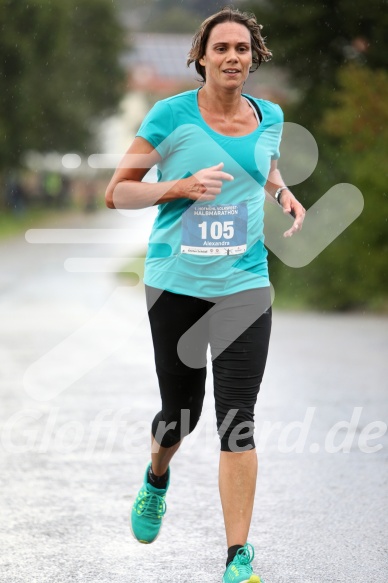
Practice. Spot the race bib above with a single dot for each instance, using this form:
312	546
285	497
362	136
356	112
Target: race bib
215	230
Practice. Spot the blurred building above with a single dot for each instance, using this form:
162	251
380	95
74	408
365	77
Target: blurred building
157	63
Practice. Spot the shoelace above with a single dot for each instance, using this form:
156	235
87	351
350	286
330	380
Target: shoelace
245	555
152	504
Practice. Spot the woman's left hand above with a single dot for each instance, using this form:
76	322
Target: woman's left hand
292	207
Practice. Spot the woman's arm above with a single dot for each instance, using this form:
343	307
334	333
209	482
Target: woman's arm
286	199
127	191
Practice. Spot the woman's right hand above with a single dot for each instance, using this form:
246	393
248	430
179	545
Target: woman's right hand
205	184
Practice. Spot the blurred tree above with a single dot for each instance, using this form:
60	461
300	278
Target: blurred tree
313	39
352	272
59	71
200	7
206	7
173	20
172	16
334	53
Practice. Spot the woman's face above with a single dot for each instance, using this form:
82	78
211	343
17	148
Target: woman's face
228	55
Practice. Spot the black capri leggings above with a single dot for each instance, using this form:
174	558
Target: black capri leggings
238	328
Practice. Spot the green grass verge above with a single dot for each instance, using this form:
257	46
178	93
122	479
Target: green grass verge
132	272
13	224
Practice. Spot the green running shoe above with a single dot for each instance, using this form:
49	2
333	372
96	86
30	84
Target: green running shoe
148	511
240	569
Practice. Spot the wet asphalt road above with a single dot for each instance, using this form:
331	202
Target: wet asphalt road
78	393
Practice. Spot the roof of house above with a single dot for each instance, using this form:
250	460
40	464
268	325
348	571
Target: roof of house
165	54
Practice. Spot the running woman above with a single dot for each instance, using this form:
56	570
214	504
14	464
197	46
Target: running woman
206	273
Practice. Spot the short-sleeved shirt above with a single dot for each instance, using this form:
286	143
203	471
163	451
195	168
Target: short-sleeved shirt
216	248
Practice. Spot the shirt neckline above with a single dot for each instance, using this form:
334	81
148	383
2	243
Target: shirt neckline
257	129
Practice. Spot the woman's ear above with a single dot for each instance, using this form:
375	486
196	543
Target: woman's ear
201	61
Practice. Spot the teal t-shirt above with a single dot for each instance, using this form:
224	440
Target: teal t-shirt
215	248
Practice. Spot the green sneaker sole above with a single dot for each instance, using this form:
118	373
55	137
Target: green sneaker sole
148	542
252	579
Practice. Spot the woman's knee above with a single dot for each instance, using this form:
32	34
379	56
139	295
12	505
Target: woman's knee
169	430
236	430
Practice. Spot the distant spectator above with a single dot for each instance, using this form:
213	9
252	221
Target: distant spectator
90	197
64	193
52	185
14	194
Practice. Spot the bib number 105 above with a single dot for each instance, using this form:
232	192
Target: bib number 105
217	230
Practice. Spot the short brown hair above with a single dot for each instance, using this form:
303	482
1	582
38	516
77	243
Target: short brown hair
260	52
